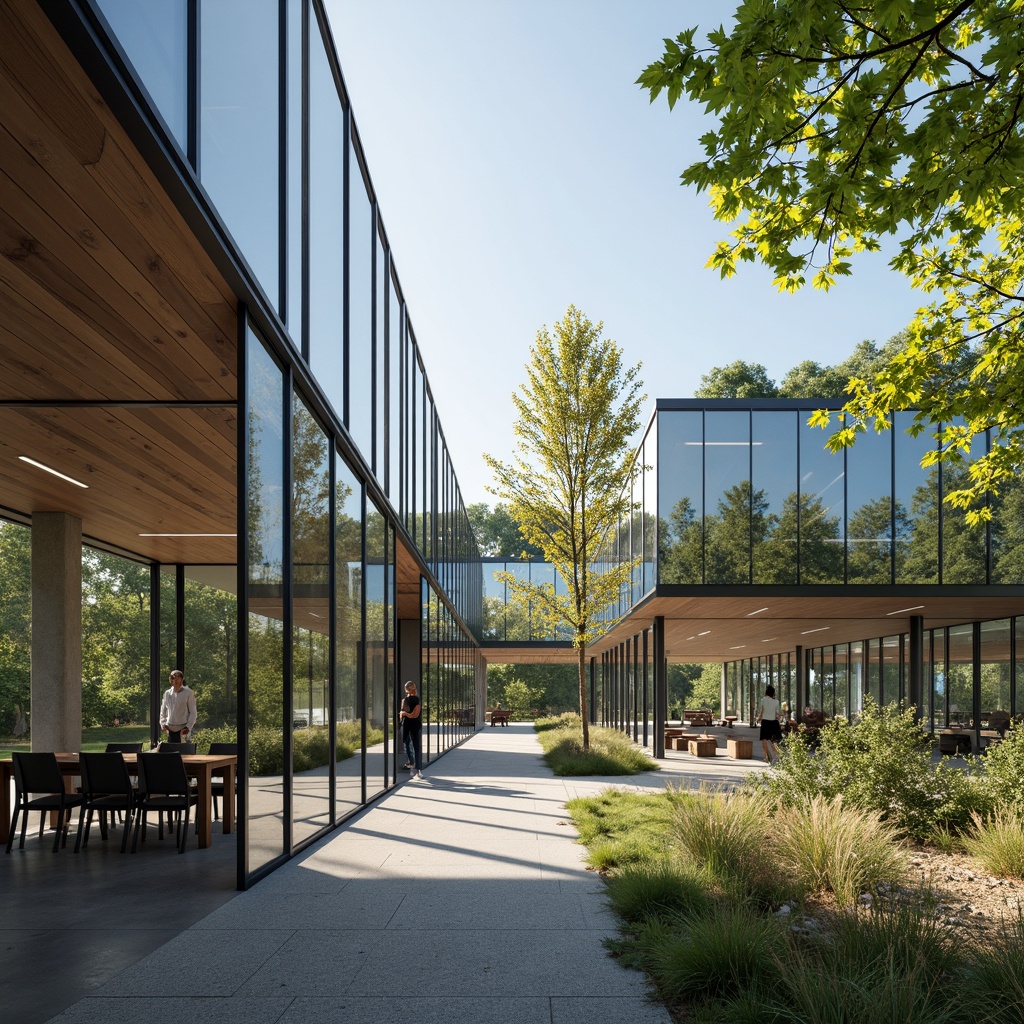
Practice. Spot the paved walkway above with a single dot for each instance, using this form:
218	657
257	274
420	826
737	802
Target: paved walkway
458	897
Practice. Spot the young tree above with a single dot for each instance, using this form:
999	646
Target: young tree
577	414
840	126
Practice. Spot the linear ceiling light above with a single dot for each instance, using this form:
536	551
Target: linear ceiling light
818	630
188	534
705	633
901	611
758	612
47	469
769	640
738	647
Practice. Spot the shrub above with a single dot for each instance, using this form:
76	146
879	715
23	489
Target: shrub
835	849
881	763
1002	768
997	841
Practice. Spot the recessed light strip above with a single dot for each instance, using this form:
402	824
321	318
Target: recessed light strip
758	612
47	469
188	534
903	611
818	630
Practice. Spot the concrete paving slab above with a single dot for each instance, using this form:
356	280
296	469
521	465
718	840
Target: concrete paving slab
462	896
409	1009
173	1010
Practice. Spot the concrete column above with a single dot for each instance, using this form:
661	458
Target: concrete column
56	631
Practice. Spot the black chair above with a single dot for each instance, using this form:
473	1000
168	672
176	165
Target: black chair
40	773
164	787
175	748
106	786
124	748
217	781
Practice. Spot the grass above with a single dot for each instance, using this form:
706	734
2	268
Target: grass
94	739
690	875
835	849
611	752
997	841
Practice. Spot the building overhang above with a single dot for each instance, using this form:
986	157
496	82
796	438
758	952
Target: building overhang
717	624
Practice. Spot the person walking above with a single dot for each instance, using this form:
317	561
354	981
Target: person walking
771	731
412	727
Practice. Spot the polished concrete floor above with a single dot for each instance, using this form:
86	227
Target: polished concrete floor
71	922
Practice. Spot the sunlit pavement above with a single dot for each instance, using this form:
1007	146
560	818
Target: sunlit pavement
459	896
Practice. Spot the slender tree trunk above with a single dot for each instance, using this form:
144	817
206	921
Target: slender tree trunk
583	697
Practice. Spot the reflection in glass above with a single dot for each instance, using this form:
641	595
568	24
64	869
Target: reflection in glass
211	615
856	678
892	664
729	504
650	509
680	497
380	279
265	573
348	594
960	648
377	603
917	510
774	480
361	241
155	38
326	227
869	529
311	616
963	547
995	667
874	654
294	171
240	127
394	397
822	510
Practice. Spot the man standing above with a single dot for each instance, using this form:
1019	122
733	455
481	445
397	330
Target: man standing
178	711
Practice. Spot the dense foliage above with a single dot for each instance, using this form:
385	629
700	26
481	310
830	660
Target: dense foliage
839	128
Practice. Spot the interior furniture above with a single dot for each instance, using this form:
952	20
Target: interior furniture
199	766
106	787
217	779
164	787
37	773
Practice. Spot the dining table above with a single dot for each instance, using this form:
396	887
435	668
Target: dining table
201	767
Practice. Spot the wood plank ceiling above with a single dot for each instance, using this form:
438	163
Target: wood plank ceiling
107	299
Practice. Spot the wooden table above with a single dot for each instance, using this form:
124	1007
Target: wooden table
200	766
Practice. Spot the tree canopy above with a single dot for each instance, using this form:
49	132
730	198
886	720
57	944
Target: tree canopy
577	414
840	127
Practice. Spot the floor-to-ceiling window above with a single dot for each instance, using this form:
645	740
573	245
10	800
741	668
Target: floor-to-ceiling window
265	471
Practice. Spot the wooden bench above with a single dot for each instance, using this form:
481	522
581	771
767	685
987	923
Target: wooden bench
740	749
681	741
499	718
698	716
703	746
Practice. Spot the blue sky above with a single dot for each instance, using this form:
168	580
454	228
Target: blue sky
519	170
